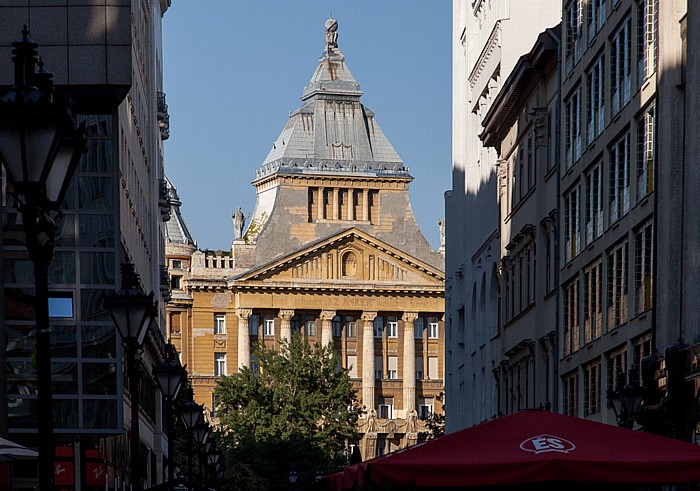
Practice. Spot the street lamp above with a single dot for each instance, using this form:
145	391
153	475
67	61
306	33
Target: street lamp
201	434
132	312
626	400
170	376
39	148
191	414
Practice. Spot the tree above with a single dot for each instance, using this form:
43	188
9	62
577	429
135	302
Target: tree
298	410
435	422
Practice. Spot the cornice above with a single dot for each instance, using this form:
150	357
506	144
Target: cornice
489	47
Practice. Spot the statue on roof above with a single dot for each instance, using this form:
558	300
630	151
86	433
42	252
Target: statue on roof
238	224
331	34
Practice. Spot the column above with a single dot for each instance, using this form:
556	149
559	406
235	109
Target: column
368	359
326	326
351	204
321	203
336	203
285	316
243	337
409	361
365	205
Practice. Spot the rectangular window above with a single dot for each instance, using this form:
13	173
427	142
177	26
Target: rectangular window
378	368
378	326
617	368
573	127
531	167
253	324
617	285
591	388
643	266
621	66
309	327
571	317
386	408
619	189
176	264
337	326
572	236
175	282
219	323
594	203
219	364
642	348
574	33
269	327
570	394
646	156
595	108
419	368
418	328
350	327
433	368
393	367
433	327
352	365
592	294
392	327
647	49
426	406
596	17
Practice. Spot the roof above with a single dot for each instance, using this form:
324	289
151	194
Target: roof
176	231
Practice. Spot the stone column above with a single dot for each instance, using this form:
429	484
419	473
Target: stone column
351	204
409	361
243	337
365	205
326	326
336	203
321	203
368	359
285	316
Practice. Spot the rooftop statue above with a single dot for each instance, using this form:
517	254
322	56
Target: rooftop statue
238	224
331	34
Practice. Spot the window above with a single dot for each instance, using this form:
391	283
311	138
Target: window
617	367
592	293
177	264
269	327
621	66
419	368
378	368
253	324
594	203
386	408
571	319
392	327
350	327
572	240
643	266
175	282
352	366
646	157
393	362
619	190
433	368
425	407
432	327
61	305
617	285
574	35
570	394
219	364
596	17
381	444
595	108
573	127
418	328
378	326
254	364
642	348
309	327
647	48
219	323
591	388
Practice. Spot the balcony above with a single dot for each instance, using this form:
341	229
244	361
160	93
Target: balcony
163	117
164	202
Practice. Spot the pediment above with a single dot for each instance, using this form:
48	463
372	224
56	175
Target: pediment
350	260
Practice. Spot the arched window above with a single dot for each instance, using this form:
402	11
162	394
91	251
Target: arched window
349	264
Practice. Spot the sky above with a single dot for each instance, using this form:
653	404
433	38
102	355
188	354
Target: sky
233	70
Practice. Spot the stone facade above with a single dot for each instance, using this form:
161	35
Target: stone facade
333	250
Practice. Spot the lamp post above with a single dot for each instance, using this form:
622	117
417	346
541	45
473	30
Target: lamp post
132	312
201	434
170	376
39	148
626	400
191	413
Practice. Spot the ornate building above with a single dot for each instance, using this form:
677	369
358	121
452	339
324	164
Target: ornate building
332	249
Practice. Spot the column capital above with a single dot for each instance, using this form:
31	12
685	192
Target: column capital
368	315
327	315
244	313
286	314
409	316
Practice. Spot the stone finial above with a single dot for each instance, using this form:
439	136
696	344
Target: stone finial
331	34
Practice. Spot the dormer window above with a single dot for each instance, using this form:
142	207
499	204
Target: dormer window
349	265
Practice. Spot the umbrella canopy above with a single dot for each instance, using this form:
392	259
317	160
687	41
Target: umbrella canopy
11	450
531	447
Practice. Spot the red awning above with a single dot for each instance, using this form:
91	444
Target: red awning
531	447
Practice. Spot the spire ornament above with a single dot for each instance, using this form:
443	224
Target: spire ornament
331	34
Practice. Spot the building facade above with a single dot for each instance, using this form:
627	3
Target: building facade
107	58
332	250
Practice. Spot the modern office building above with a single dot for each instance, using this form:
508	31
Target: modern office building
332	250
107	57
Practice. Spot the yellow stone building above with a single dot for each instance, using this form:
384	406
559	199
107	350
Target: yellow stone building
333	250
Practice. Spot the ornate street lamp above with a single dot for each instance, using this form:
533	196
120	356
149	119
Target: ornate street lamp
39	148
191	414
132	312
626	400
170	376
293	475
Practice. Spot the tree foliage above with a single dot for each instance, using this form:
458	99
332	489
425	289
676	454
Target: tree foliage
298	409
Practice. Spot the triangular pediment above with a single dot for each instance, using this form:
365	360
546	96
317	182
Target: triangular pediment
351	260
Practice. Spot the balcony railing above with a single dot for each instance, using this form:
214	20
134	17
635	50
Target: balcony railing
163	117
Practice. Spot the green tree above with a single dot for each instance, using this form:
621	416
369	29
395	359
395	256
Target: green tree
298	410
435	422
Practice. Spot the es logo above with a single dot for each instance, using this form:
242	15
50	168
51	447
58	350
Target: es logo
547	443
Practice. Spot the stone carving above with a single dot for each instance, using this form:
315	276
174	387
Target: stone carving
331	34
238	224
441	227
411	421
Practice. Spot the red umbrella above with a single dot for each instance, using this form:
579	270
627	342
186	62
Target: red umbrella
532	447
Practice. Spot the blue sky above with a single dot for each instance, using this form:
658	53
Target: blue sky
233	70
